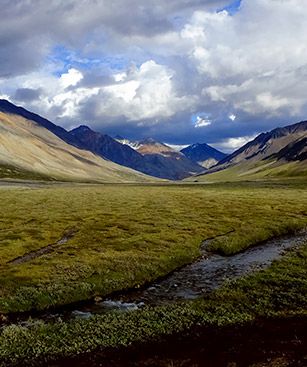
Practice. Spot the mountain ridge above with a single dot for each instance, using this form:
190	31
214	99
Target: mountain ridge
8	107
147	156
281	152
263	144
27	146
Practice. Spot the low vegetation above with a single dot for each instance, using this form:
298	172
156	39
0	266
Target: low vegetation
280	291
127	235
262	170
14	173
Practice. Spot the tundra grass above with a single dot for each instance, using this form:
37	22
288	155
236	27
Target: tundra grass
279	291
127	235
262	170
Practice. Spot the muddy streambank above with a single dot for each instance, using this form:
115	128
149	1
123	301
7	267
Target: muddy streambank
263	343
201	277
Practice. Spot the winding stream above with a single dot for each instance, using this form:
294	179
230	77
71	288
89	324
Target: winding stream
199	278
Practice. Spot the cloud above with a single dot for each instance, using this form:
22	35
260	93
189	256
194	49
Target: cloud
145	68
202	122
27	94
231	144
143	96
71	78
83	25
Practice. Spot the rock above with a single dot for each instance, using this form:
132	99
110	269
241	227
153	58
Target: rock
3	318
98	299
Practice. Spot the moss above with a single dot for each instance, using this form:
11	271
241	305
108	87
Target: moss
279	291
127	235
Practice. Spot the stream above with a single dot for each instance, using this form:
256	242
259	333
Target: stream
204	275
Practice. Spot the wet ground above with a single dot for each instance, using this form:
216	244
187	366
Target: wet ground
209	272
198	278
264	343
192	281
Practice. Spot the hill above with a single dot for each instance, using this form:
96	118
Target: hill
266	144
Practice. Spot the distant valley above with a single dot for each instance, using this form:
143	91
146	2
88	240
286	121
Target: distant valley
33	147
49	152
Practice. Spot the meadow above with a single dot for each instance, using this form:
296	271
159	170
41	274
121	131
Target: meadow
123	236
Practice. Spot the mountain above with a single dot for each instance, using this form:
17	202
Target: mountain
147	156
43	158
150	146
162	161
33	150
203	154
295	151
132	144
107	147
281	152
147	146
266	144
10	108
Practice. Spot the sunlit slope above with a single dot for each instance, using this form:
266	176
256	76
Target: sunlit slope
268	169
280	153
26	145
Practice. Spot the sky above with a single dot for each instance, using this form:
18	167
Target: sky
179	71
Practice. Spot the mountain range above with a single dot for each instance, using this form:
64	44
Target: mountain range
148	156
32	146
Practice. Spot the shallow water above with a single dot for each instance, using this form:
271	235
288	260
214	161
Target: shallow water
210	272
190	282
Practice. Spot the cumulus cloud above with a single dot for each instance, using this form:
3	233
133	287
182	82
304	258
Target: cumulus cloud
29	29
232	144
146	68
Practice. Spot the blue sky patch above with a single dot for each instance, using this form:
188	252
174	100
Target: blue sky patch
233	7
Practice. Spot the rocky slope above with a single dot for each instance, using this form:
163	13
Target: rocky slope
281	152
147	156
267	144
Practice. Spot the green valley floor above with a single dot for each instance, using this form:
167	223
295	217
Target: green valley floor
65	243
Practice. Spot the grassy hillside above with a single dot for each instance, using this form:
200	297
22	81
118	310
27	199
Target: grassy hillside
111	249
28	147
263	170
12	172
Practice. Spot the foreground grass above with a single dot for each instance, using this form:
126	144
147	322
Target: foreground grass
128	235
279	291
